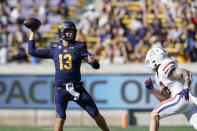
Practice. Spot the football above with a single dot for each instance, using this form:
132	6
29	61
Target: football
32	23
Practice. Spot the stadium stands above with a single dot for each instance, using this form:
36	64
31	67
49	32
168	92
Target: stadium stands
117	31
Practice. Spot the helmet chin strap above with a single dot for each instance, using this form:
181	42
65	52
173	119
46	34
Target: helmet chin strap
69	41
157	67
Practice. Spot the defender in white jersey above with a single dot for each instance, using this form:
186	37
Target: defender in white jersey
174	83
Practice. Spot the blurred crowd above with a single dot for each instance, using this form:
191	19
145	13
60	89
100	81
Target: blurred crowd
13	34
125	30
116	31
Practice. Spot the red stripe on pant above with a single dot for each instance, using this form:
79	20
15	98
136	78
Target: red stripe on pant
171	99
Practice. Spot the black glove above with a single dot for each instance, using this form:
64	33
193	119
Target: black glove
149	84
185	94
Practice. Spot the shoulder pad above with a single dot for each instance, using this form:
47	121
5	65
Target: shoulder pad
166	66
82	45
53	44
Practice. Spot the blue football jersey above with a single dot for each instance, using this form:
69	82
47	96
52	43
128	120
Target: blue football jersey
67	59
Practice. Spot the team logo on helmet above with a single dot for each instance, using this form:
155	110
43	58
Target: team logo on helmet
152	53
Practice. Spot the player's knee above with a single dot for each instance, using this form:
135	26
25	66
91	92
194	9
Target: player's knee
60	120
94	113
98	115
61	115
154	115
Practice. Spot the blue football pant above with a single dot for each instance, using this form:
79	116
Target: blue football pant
62	97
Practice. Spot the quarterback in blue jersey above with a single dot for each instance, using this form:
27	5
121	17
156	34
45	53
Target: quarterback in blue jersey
67	55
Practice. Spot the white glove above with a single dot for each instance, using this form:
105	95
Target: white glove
71	90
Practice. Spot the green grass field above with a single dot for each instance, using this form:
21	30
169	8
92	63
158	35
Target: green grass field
129	128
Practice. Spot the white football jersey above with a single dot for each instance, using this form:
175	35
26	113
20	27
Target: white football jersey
161	77
176	104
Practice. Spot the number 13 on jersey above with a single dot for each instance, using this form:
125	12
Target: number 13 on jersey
68	59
